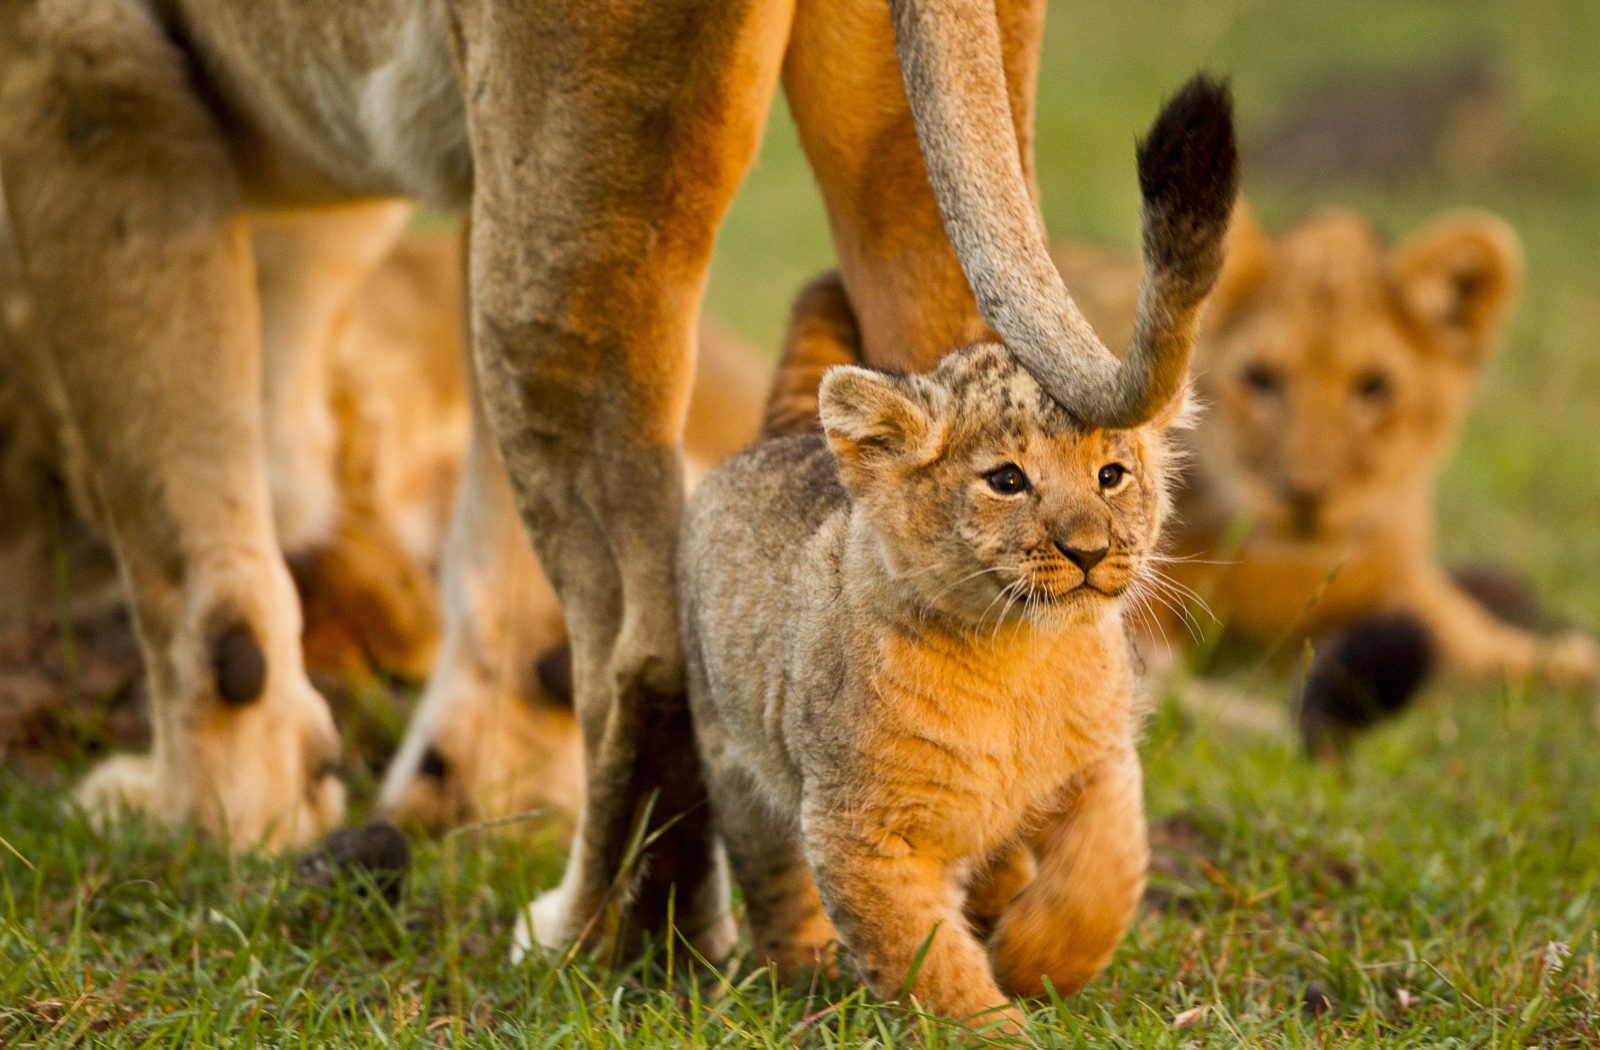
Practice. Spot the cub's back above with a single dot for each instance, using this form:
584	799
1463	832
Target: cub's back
748	526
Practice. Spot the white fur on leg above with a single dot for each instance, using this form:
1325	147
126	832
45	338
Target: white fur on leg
542	925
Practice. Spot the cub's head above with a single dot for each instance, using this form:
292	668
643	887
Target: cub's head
1336	371
989	499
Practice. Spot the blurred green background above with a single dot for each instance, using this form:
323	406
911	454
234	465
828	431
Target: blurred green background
1425	106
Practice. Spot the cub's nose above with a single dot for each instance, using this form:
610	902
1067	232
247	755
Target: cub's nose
1085	558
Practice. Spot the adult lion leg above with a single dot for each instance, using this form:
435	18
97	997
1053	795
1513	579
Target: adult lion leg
1093	857
361	602
309	266
494	735
910	297
603	160
123	198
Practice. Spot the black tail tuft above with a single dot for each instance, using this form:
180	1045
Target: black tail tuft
1363	674
1189	178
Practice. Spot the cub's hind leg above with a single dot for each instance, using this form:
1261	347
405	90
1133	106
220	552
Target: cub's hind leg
995	885
124	202
788	927
1093	855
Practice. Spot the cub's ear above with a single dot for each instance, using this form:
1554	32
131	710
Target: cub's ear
1249	255
1460	277
873	417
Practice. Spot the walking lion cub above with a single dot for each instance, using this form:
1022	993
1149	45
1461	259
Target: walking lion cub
910	680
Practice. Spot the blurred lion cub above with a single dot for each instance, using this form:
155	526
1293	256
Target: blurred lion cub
908	668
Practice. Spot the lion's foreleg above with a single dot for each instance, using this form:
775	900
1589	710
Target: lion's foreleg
604	156
124	200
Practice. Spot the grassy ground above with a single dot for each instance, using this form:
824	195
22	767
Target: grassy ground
1440	891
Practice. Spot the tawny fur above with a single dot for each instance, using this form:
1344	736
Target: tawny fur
397	401
1336	372
908	668
898	680
594	163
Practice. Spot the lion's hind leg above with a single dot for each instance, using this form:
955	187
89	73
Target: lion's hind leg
599	180
125	204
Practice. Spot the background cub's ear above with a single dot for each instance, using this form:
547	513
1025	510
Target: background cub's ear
872	417
1249	255
1460	278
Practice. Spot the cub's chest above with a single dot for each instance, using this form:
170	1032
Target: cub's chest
1000	720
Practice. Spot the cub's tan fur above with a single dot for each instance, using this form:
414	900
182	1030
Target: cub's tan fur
1336	373
908	669
898	676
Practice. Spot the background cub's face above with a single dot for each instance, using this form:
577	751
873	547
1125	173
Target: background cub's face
991	501
1336	373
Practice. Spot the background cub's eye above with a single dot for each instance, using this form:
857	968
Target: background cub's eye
1263	379
1111	475
1372	386
1007	480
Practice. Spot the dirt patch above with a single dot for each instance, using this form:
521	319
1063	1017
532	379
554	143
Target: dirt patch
69	691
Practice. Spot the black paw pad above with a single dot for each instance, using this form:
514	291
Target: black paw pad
240	666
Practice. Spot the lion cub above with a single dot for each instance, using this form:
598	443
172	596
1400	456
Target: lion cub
908	670
907	659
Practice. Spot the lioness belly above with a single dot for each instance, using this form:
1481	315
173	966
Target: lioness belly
354	99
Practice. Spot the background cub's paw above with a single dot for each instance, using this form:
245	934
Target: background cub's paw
1571	660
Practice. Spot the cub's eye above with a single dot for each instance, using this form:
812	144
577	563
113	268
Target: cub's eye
1112	475
1373	386
1008	480
1263	379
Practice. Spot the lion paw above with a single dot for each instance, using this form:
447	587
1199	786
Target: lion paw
542	925
1571	660
260	776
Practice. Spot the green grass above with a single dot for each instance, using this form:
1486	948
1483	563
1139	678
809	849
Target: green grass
1422	889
